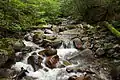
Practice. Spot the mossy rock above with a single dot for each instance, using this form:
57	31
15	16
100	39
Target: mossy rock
48	52
55	29
50	37
38	36
11	44
6	45
6	42
18	44
5	52
54	43
7	58
40	32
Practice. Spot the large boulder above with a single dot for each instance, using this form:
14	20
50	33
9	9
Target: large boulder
11	44
52	61
50	37
38	37
7	59
87	54
8	46
6	73
45	43
20	55
77	43
48	52
26	49
53	43
56	43
18	45
35	61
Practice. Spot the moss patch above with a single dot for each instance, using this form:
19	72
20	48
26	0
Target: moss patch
6	44
112	29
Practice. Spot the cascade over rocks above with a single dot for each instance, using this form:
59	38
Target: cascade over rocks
35	61
7	52
45	54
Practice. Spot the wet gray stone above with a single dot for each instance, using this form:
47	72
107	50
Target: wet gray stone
100	51
5	73
35	61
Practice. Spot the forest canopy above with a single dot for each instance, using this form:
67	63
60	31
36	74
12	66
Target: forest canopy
22	14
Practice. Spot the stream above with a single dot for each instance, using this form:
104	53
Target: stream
69	58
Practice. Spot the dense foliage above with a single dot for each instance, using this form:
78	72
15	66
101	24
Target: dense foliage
21	14
92	10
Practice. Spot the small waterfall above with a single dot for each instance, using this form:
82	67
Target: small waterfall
18	66
51	74
66	52
67	44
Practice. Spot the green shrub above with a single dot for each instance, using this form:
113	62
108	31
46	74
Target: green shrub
18	15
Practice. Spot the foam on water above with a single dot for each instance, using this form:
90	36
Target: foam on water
64	53
43	75
29	54
51	74
18	66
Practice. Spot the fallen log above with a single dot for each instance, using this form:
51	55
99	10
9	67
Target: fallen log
112	29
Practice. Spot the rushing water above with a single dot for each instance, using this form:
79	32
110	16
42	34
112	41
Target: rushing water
65	53
51	74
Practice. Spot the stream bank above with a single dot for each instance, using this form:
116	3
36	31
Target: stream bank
81	46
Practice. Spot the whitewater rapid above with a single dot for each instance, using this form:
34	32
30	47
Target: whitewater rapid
51	74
